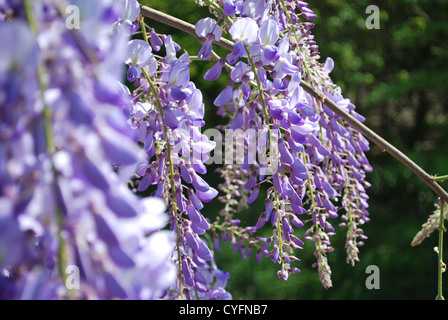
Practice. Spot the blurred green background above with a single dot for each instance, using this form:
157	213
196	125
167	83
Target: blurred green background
397	77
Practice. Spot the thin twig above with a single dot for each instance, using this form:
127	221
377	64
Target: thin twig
366	131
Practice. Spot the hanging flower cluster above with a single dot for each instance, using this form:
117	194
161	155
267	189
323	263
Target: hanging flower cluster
321	165
68	219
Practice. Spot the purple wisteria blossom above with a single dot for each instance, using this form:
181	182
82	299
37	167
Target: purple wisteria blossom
321	162
208	29
139	56
168	121
66	153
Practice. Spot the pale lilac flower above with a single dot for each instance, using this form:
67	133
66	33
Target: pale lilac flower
207	28
244	30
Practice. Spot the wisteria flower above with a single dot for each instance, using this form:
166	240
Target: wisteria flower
139	56
207	28
244	30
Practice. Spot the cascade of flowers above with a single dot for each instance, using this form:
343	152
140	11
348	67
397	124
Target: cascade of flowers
66	154
108	177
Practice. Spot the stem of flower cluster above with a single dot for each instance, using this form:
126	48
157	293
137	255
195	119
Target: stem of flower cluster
366	131
379	141
259	86
440	178
219	9
62	261
441	266
351	226
260	91
279	228
266	115
170	162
